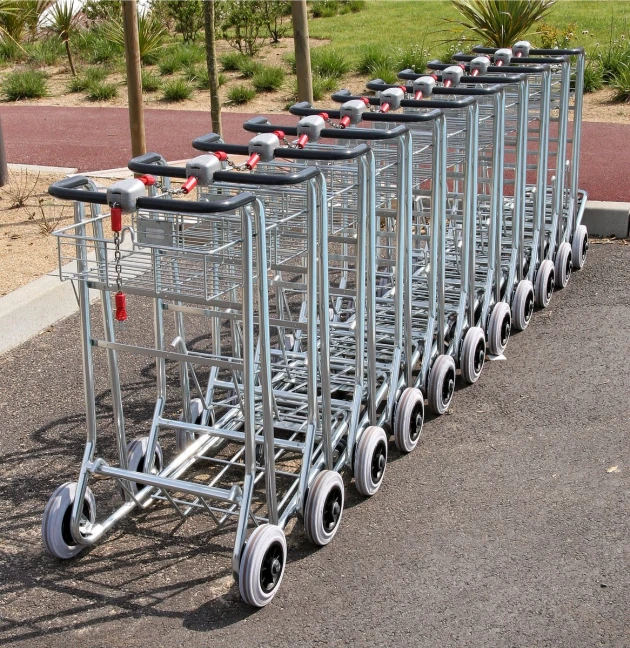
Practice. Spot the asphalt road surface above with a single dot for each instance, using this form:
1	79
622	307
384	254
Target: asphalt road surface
506	526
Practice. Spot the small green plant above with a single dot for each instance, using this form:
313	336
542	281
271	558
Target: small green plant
268	78
24	84
289	59
45	52
230	62
620	83
248	67
355	5
151	35
500	23
613	60
328	62
150	82
177	90
593	79
241	94
83	81
321	86
202	79
325	8
371	56
192	72
384	72
175	59
9	50
99	91
552	37
169	64
412	58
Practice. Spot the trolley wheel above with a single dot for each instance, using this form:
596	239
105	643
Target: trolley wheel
324	507
473	354
441	384
184	438
579	248
262	565
563	265
523	305
56	535
545	281
408	419
136	457
370	459
499	328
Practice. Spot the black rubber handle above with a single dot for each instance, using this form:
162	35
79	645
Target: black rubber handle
525	59
193	207
268	179
68	189
513	69
480	78
212	143
149	163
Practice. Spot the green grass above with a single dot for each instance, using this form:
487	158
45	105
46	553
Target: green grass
177	90
45	52
230	62
99	91
322	86
82	82
202	82
621	85
24	84
268	78
178	58
329	62
241	94
248	67
150	82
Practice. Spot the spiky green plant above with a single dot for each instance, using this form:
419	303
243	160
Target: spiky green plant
621	84
500	23
63	19
151	35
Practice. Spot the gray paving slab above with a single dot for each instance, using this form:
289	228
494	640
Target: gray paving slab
607	219
503	529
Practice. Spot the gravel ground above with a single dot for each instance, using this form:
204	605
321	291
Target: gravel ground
506	526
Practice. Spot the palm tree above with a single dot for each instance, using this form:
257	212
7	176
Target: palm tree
63	19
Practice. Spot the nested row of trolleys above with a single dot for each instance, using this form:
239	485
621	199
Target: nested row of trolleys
342	274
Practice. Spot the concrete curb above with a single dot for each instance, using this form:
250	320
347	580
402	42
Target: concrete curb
27	311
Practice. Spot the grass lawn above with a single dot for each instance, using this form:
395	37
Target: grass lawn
403	23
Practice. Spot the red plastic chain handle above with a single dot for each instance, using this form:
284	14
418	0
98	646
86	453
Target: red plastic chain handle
324	116
418	95
302	141
279	134
147	180
499	63
221	155
448	83
116	216
474	73
385	108
365	100
121	306
344	122
189	185
518	54
252	161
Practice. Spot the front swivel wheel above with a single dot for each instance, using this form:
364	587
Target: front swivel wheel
473	354
262	565
370	459
545	283
409	419
499	328
523	305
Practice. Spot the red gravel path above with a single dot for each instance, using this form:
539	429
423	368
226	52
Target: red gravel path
98	138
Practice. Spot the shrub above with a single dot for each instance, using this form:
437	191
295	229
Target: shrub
191	73
45	52
169	64
90	76
385	72
325	8
373	56
188	17
555	37
151	34
273	14
24	84
355	5
243	25
613	60
593	79
202	79
268	78
500	23
620	83
248	67
241	94
321	86
327	62
177	90
99	91
9	50
175	59
150	82
413	58
230	62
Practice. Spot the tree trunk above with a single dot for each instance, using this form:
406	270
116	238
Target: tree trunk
134	77
211	61
299	12
74	72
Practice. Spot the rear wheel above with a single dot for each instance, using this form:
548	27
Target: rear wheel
370	460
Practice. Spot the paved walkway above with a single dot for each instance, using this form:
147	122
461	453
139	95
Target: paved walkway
503	529
98	138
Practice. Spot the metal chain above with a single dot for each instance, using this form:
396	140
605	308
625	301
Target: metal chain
117	265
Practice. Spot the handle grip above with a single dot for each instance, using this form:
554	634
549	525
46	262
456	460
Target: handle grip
68	189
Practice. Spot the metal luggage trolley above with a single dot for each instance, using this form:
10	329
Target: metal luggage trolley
574	199
399	405
463	342
351	433
205	259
